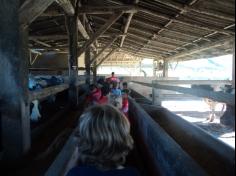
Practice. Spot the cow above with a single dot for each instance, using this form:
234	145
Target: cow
211	103
39	84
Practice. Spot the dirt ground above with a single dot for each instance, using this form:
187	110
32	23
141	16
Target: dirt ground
220	131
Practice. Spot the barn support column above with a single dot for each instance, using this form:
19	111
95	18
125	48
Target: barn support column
165	69
95	72
87	65
14	105
73	59
233	69
228	117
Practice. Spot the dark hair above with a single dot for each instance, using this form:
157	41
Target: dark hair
112	73
105	138
125	84
92	86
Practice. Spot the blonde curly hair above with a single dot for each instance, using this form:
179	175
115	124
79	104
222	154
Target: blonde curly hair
104	137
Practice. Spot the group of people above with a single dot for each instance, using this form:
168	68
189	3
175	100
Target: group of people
109	92
104	133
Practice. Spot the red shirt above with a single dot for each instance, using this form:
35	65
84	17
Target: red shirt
112	79
97	98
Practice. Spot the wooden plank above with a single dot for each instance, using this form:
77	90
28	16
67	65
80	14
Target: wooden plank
48	37
67	7
200	49
94	72
41	43
37	95
107	56
189	82
84	33
73	59
126	28
101	31
199	144
82	29
216	96
160	150
87	65
127	25
67	158
107	9
54	69
233	66
101	52
14	108
31	9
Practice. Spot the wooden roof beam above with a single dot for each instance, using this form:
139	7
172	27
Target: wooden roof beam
185	9
168	30
164	27
200	49
49	37
166	17
191	24
178	33
101	52
82	29
65	37
143	55
107	56
208	35
31	9
67	7
41	43
101	31
178	40
127	25
107	9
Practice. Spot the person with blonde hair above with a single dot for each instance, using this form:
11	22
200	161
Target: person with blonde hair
104	143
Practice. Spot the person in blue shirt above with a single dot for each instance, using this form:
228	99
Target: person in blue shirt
104	143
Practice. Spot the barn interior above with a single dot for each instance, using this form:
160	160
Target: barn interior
63	44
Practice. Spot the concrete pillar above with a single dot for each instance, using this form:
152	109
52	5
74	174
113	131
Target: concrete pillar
14	105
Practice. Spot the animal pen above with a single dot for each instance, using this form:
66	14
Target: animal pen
62	43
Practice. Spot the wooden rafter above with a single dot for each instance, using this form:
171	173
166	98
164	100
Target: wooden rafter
182	21
107	9
177	40
107	56
101	31
127	25
200	49
158	26
185	9
31	9
67	7
41	43
82	29
154	36
102	51
205	36
191	24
